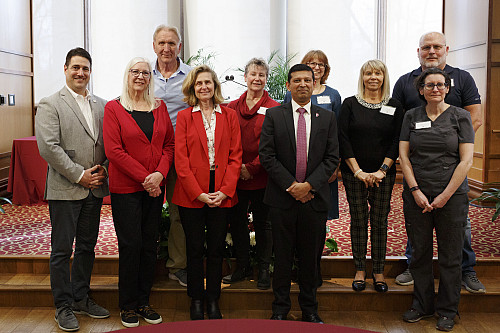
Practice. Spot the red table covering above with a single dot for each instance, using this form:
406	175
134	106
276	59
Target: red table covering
27	173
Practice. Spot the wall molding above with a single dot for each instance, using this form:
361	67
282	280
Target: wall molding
14	72
473	66
469	45
22	54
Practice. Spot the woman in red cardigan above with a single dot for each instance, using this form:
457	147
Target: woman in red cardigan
139	144
208	163
251	110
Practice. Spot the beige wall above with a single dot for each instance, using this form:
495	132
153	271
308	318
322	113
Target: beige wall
16	77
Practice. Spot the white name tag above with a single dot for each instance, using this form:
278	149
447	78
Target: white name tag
452	83
389	110
262	110
323	99
423	124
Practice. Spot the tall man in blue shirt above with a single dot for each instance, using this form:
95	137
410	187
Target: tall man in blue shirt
169	73
432	52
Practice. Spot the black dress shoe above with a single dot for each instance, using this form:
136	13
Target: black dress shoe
358	285
312	318
238	275
213	311
380	286
276	316
264	281
196	310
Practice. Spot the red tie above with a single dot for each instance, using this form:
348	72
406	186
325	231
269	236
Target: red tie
301	166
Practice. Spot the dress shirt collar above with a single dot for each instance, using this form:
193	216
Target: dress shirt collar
183	68
295	106
216	108
75	95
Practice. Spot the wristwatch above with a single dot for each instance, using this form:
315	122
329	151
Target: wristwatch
384	168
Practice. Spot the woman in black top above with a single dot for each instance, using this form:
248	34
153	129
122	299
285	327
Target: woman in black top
369	126
436	149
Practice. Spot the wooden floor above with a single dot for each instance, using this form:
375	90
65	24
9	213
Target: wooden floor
41	319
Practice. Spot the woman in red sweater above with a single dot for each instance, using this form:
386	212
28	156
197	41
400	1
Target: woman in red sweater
208	163
251	109
139	144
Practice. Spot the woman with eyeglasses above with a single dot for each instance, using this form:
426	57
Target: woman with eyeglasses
329	99
436	148
139	144
369	126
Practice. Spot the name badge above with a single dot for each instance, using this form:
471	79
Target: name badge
262	110
323	99
389	110
452	83
423	124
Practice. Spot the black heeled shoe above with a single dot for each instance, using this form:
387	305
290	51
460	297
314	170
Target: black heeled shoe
213	311
359	285
196	310
380	286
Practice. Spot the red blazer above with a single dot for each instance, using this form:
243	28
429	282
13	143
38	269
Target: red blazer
131	156
191	157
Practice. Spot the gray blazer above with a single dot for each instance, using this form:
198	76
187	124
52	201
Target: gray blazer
66	143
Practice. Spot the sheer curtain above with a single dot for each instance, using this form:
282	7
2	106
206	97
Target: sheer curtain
57	28
345	30
121	30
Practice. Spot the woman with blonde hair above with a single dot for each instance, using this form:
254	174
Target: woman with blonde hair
139	144
369	126
208	163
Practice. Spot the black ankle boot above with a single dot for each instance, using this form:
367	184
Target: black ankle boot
264	281
213	311
196	310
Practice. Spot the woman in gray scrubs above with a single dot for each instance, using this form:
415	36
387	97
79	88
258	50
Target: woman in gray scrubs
435	149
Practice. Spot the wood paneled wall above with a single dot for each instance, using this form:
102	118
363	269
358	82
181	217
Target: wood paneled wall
472	30
16	77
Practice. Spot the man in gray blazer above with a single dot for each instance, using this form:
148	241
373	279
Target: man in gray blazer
68	128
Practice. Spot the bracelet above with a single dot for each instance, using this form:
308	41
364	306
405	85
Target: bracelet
414	188
357	173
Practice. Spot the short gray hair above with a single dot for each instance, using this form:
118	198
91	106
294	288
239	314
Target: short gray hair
257	62
170	28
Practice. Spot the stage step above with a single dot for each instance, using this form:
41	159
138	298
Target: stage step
331	267
28	290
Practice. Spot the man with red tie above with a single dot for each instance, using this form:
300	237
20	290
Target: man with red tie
299	150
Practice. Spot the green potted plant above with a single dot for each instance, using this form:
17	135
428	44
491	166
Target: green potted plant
6	200
491	195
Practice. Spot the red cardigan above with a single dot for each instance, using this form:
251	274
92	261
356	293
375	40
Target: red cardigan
191	157
132	157
251	125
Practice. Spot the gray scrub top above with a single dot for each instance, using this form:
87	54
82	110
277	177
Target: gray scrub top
434	152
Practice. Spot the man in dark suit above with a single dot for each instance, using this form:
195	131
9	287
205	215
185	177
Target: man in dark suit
68	128
299	150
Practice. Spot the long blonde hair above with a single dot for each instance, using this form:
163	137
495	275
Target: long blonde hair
378	65
149	93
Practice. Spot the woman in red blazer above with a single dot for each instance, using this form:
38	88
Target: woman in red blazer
139	144
208	162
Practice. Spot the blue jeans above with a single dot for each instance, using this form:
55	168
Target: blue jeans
468	255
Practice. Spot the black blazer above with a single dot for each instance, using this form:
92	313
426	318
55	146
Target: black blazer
277	152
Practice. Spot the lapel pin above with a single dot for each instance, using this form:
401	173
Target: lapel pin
317	115
95	101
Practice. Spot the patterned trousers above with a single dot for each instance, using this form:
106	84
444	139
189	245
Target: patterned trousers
379	200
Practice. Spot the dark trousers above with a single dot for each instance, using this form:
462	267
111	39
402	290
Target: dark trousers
297	230
379	199
449	225
137	218
73	220
195	221
239	228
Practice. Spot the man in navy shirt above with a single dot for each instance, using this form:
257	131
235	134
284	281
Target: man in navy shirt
432	52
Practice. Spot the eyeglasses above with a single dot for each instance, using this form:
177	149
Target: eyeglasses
314	64
136	73
430	86
436	47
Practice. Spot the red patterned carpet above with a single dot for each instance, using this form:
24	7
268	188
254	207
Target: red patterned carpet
25	230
